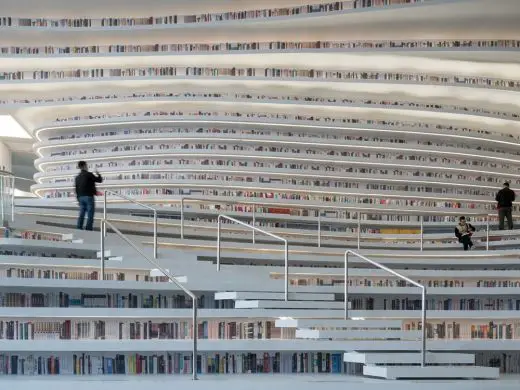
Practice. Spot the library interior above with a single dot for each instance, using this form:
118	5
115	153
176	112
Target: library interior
199	193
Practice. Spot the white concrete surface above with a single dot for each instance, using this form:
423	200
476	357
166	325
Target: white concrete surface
249	382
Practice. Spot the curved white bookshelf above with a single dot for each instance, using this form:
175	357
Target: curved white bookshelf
376	142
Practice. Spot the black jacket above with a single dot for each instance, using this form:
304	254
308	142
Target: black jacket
505	197
86	183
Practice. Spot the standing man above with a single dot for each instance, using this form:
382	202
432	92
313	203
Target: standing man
505	198
85	192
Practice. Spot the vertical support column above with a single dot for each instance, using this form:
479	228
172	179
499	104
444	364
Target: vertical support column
218	243
319	228
195	337
422	232
182	218
346	286
254	224
359	231
13	187
423	334
104	229
2	195
155	234
487	232
102	256
286	247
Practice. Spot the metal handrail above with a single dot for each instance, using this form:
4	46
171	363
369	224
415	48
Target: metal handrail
286	246
104	224
390	271
359	223
136	203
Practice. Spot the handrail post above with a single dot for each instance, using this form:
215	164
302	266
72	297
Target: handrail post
422	232
218	243
102	254
13	184
2	178
155	234
487	232
194	338
286	247
319	228
346	285
359	231
182	218
104	230
423	320
254	223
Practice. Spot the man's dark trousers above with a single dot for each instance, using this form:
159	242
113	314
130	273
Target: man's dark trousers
86	206
505	213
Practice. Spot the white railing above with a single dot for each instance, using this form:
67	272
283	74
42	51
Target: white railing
138	204
254	204
104	224
392	272
286	246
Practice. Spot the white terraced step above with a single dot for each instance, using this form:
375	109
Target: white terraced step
244	295
270	304
375	358
368	334
107	254
336	323
432	372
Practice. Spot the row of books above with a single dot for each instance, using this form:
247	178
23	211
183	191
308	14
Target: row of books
332	101
223	330
381	123
170	363
161	164
242	129
508	362
259	73
335	6
252	46
32	235
451	304
180	190
49	253
375	282
136	330
287	182
224	145
114	300
52	194
219	146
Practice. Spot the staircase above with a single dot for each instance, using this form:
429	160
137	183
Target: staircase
390	351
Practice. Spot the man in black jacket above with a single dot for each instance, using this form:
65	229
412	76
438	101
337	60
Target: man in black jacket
85	192
505	198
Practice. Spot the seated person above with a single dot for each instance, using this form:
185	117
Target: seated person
463	231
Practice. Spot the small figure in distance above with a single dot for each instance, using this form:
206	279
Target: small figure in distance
505	198
85	192
463	231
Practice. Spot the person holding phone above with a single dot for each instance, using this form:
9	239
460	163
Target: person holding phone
463	231
85	192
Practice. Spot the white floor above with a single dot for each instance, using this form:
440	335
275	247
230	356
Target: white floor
248	382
